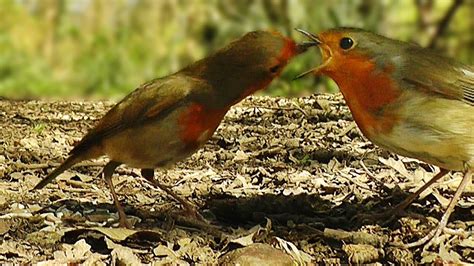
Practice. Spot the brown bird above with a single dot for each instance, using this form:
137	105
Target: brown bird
168	119
407	99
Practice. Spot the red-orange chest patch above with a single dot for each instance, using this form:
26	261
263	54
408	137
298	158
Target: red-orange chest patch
368	92
198	124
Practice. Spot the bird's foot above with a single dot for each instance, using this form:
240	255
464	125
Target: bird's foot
433	238
386	217
191	211
124	223
370	218
192	218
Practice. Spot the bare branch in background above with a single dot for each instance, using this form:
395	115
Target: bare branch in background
444	23
425	9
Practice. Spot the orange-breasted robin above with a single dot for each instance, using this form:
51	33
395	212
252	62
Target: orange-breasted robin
168	119
407	99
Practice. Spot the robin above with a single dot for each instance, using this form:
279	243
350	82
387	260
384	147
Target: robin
407	99
168	119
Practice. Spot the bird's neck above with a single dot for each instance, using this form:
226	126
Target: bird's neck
368	92
229	83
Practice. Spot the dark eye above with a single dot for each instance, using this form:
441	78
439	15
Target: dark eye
346	43
274	69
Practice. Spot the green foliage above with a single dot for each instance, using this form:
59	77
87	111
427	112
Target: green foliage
102	48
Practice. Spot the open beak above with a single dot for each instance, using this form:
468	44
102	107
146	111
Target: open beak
310	36
302	47
316	41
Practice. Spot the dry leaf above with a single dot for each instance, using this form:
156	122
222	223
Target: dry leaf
398	165
5	226
124	256
299	256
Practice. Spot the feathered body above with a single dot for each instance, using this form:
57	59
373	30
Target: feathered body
167	119
405	98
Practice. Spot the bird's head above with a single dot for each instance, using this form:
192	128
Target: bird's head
350	51
263	53
249	63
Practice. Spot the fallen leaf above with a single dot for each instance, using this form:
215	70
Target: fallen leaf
397	165
5	226
257	254
441	199
360	253
117	234
299	256
123	255
449	256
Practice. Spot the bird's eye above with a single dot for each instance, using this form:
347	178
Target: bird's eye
274	69
346	43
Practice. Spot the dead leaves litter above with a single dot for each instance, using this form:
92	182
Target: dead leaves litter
299	163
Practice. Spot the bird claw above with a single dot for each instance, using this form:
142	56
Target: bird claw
387	216
192	212
432	238
124	223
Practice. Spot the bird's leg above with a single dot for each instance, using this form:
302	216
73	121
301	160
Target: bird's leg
390	214
107	172
404	204
190	209
435	233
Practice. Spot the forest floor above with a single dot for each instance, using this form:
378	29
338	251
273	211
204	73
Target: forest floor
285	179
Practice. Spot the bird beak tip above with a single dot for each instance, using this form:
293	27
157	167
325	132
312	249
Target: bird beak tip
314	39
304	46
303	74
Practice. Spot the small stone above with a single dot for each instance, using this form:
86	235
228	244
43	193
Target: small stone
257	254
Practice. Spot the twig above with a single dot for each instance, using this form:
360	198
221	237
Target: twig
356	237
347	130
194	223
367	171
296	108
47	165
78	184
33	166
300	109
350	179
444	22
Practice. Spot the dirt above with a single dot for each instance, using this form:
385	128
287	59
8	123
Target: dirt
295	174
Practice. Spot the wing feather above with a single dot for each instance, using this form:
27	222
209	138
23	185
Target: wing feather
149	102
428	71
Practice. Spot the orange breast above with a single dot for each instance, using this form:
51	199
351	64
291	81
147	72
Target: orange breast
367	91
198	124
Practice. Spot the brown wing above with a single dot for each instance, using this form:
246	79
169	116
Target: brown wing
430	72
149	102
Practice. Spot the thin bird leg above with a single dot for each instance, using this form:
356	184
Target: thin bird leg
190	209
435	233
107	172
404	204
392	213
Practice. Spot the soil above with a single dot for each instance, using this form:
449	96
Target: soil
289	174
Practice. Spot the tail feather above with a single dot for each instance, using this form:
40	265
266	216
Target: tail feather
72	160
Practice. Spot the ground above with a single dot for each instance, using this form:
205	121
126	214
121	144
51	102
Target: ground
292	173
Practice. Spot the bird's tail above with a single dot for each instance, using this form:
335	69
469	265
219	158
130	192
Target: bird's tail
72	160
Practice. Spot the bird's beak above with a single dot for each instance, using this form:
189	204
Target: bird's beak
315	41
302	47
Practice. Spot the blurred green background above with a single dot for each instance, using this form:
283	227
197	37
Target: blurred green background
103	49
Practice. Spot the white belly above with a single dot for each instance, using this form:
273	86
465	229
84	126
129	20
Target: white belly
437	131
